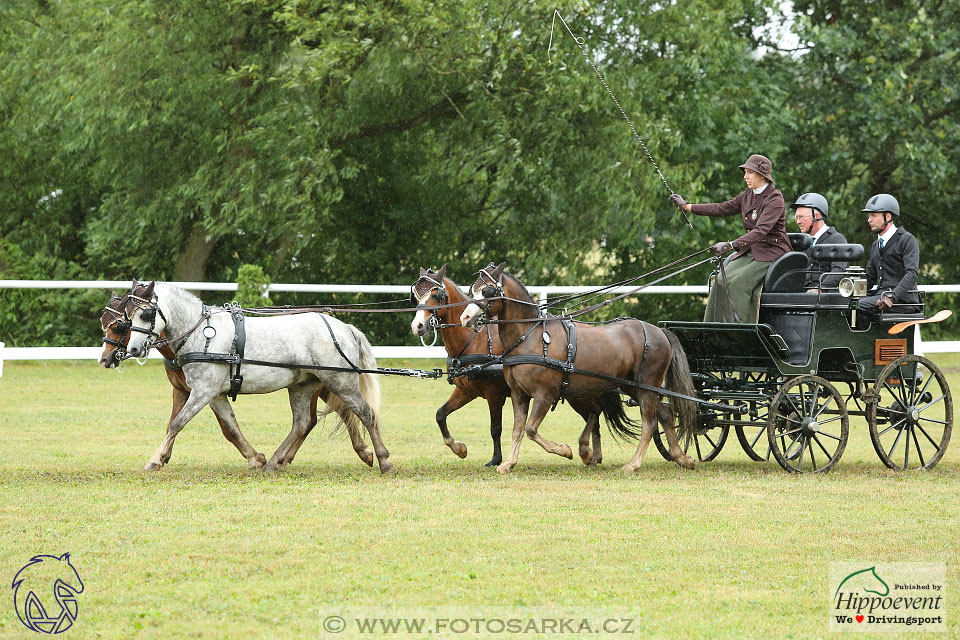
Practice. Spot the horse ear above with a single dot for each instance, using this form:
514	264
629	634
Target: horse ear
133	285
422	271
149	292
113	294
442	272
498	272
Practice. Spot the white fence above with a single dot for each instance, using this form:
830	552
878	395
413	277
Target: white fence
542	292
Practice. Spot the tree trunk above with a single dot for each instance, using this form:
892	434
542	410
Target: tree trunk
191	265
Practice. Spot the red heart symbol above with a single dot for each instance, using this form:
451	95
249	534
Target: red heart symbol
859	618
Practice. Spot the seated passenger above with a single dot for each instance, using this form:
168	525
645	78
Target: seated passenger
894	263
811	217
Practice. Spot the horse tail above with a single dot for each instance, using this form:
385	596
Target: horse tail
620	425
679	380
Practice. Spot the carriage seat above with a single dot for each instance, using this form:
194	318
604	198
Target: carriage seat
787	274
800	241
838	252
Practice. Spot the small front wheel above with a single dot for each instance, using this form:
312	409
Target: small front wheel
705	444
807	425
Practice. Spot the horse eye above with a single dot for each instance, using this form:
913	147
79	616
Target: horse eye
148	315
489	292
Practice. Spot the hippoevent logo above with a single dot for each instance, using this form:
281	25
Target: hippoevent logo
45	594
905	596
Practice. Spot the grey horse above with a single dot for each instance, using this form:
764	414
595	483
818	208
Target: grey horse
298	339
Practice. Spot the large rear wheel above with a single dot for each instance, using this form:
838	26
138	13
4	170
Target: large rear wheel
910	414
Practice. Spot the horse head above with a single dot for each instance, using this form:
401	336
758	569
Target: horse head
147	321
428	292
487	294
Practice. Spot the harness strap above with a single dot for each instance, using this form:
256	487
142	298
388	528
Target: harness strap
239	342
337	344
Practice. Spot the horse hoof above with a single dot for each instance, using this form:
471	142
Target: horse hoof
494	461
152	466
270	468
629	468
688	463
459	448
505	468
257	461
587	458
386	467
566	452
367	457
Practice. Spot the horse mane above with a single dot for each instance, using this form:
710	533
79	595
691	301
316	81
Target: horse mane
453	286
523	288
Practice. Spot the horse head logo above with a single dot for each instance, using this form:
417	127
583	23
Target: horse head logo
865	580
45	594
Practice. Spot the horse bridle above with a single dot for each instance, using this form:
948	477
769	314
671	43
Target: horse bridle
492	289
123	320
420	288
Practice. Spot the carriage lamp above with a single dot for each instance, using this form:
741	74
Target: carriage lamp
854	285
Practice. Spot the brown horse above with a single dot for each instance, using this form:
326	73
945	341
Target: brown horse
627	349
115	325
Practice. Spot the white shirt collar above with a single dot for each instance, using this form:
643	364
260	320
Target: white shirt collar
822	231
759	190
889	234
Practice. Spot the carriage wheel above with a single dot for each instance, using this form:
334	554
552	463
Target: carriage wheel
808	425
911	414
704	446
754	442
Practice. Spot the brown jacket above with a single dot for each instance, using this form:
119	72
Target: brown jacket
764	220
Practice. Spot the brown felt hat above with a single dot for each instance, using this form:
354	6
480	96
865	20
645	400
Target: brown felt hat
759	164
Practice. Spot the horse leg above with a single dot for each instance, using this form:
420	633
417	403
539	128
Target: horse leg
231	431
495	404
300	397
292	451
520	405
597	450
195	402
648	411
457	399
350	394
592	427
665	415
541	406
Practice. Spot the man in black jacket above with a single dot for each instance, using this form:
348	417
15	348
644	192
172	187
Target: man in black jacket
894	264
811	217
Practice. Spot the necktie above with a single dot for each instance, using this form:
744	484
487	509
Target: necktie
881	243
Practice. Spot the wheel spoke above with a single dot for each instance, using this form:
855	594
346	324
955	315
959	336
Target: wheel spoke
820	444
802	442
895	441
813	400
906	450
834	419
713	444
916	443
753	444
903	385
696	442
826	403
829	435
789	433
813	460
943	422
927	436
795	409
931	403
892	426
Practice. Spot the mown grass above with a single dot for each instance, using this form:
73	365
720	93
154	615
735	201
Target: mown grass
206	549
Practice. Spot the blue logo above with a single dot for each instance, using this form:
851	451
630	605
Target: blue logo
45	594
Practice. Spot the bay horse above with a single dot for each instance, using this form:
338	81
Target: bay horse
441	299
355	398
628	349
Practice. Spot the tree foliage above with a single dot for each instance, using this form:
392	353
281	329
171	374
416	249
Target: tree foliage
357	142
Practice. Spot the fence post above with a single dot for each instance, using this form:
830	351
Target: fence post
1	359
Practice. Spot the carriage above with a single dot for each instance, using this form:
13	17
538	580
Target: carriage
789	384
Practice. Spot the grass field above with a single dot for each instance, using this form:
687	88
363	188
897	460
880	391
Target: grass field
206	549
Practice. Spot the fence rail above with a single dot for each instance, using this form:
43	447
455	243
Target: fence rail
543	292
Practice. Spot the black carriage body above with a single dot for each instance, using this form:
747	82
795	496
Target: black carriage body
789	370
